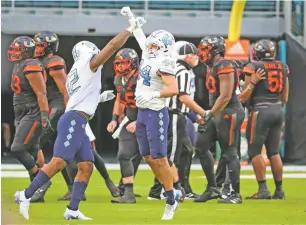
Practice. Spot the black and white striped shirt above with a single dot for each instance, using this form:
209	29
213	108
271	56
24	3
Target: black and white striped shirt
186	85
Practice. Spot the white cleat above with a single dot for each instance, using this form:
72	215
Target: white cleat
23	203
169	211
75	215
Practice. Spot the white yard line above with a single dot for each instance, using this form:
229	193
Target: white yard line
114	166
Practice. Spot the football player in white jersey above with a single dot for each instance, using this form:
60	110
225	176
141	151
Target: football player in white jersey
83	86
156	82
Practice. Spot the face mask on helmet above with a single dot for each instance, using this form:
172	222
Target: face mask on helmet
123	67
84	49
204	52
21	48
46	43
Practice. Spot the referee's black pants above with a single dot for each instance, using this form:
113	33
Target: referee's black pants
178	143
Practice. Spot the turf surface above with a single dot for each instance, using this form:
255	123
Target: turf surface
98	206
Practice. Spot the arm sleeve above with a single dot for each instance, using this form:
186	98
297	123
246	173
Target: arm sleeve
141	38
31	66
167	67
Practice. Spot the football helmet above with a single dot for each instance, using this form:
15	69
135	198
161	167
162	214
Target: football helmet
126	60
84	49
21	48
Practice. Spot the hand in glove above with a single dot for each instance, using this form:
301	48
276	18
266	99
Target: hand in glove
45	122
147	96
107	96
135	23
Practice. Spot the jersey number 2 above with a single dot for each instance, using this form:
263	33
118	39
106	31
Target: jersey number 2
72	82
145	74
275	81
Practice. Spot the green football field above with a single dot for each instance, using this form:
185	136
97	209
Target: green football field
98	206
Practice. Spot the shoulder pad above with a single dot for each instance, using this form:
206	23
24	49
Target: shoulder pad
225	66
32	65
167	65
55	61
249	69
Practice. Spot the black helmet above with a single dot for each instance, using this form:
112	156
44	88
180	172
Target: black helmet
209	47
21	48
46	42
126	60
264	49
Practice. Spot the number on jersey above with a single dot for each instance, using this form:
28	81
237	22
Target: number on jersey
169	63
145	74
275	81
72	85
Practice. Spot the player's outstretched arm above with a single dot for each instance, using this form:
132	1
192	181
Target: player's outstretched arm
39	87
114	45
138	33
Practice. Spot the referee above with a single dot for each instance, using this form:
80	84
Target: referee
179	106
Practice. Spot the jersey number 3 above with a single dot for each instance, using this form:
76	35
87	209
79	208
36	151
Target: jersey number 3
145	74
15	84
72	85
275	81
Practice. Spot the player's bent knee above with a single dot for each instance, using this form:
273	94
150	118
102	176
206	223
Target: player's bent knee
58	163
253	153
85	167
17	147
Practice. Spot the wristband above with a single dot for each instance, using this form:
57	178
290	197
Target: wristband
44	114
115	117
253	82
208	116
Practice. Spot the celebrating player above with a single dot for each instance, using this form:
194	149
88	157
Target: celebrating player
156	82
126	66
83	85
30	102
223	121
266	117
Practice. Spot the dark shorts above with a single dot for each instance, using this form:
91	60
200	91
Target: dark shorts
28	127
128	147
72	141
151	132
264	128
224	128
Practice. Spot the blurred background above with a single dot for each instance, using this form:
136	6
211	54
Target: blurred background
98	21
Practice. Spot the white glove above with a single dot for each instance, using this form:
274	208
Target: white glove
145	97
107	96
134	23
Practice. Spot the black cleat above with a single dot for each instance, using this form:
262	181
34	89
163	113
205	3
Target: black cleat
154	197
40	193
67	197
262	194
125	199
226	191
112	188
210	193
234	198
278	195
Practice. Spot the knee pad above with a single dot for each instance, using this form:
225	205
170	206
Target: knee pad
229	154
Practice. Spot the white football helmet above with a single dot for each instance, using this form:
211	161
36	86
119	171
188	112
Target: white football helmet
84	49
160	41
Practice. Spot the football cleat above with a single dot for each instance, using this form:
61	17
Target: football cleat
209	193
234	198
169	211
23	203
75	215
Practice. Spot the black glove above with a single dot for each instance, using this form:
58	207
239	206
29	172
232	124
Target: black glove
45	122
207	118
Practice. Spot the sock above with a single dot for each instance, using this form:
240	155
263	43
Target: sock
33	175
177	185
128	188
262	185
234	173
78	190
278	185
207	163
38	181
170	197
100	165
